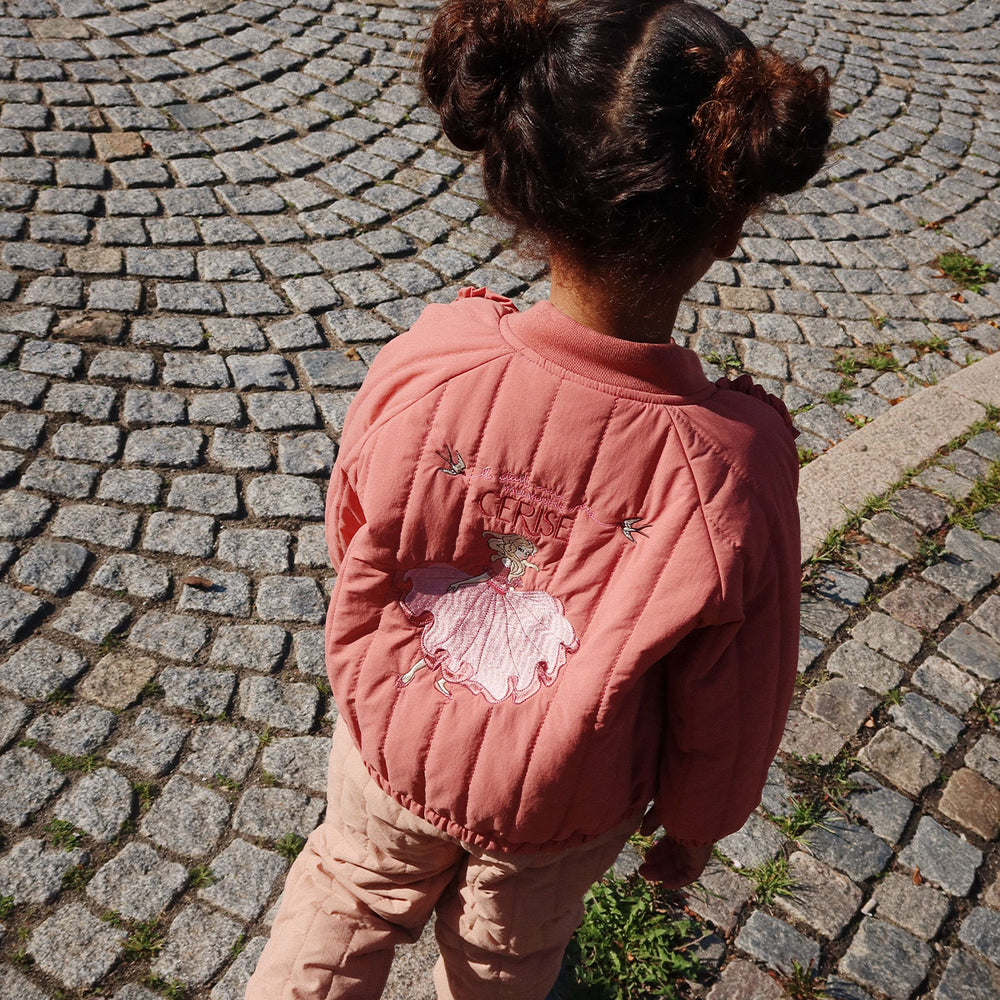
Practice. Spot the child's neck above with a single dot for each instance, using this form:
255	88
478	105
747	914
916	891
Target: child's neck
641	311
644	313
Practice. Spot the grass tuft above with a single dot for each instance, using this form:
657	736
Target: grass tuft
965	270
63	834
771	880
631	946
290	845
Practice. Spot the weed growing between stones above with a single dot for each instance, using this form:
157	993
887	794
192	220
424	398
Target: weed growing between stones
76	878
893	697
290	845
238	945
965	270
821	786
728	363
985	494
847	365
803	984
929	550
931	345
66	763
145	941
771	880
145	792
172	989
834	547
63	834
984	712
631	945
6	906
881	359
200	876
803	815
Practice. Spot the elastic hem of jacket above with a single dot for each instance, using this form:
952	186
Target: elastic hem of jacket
484	843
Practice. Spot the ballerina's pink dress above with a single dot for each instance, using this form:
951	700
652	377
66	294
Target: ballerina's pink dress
496	639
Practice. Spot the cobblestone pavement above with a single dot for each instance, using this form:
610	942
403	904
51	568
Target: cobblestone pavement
213	213
874	856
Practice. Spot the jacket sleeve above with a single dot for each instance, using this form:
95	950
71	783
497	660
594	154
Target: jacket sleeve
727	689
344	515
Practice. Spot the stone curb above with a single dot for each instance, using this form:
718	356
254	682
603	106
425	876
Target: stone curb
835	485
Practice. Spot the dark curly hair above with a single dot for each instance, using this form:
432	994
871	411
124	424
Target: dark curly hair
622	133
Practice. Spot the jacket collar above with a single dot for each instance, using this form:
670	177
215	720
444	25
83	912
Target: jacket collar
661	369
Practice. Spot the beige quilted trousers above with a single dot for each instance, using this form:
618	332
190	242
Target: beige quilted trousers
371	875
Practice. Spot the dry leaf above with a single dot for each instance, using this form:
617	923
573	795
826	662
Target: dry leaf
869	723
28	588
917	877
961	327
352	354
197	581
958	297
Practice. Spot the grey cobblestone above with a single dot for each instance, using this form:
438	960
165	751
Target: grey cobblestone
137	883
227	593
776	943
942	857
87	442
75	947
198	942
180	534
887	959
178	637
52	567
135	575
216	750
284	496
177	447
31	873
29	782
299	761
245	877
186	818
271	813
293	599
283	706
205	493
80	731
98	804
205	691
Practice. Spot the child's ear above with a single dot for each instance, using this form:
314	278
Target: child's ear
727	238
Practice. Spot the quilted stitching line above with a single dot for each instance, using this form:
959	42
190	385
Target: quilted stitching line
542	430
479	441
642	611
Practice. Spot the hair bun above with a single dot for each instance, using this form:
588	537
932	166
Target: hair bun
764	129
475	59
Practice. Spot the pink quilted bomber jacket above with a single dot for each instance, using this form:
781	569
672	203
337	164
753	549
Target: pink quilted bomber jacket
568	579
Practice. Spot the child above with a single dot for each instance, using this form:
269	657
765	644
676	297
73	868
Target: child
568	565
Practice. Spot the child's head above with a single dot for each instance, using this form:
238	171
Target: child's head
622	133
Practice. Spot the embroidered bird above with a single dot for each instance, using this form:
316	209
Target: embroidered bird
631	527
456	464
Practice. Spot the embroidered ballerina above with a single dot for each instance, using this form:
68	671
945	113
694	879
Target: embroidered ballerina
484	631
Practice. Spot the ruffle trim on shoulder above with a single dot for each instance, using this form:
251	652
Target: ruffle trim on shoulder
483	293
746	385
